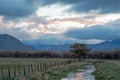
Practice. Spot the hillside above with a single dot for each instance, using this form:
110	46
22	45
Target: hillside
8	42
107	45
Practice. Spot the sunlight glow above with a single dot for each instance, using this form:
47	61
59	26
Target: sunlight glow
108	18
53	11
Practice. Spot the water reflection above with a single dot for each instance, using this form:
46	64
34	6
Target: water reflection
84	74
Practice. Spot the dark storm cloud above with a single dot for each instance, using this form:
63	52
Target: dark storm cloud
17	8
47	2
106	6
21	8
107	32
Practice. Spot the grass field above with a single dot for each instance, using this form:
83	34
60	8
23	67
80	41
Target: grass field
37	69
54	69
107	70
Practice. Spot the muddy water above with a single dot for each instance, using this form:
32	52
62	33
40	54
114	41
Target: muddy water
83	74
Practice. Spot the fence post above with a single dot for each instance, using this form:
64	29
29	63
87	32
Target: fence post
31	68
19	70
15	71
38	70
40	67
9	74
2	73
35	70
24	70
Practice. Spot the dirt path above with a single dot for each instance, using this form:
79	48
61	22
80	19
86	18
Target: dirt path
84	74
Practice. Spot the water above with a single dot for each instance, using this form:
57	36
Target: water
84	74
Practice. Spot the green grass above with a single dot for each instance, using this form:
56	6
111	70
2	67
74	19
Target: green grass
28	60
107	70
55	73
58	73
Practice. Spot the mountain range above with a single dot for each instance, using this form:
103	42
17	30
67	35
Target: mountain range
104	46
8	42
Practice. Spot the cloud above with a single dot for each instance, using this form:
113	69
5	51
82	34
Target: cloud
54	11
21	8
49	2
17	8
56	39
103	32
105	6
35	26
68	20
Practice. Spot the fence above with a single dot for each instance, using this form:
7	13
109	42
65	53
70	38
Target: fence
28	69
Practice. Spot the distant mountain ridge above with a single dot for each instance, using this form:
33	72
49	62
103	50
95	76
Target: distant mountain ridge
107	45
8	42
104	46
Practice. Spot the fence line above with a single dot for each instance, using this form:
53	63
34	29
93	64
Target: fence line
17	70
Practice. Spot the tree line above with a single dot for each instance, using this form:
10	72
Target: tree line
28	54
77	50
115	54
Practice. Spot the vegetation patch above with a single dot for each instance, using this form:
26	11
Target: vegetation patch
107	70
38	69
58	73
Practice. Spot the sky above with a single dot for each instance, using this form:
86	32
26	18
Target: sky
60	21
